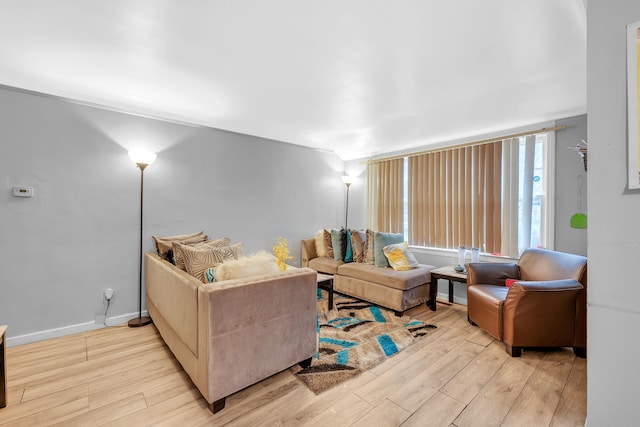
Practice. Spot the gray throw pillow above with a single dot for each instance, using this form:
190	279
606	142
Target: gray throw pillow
380	241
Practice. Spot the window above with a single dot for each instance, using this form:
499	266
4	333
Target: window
494	195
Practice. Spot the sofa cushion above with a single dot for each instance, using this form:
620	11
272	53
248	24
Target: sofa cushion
164	245
178	259
197	260
339	243
369	247
380	241
400	257
327	243
325	265
402	280
358	239
321	248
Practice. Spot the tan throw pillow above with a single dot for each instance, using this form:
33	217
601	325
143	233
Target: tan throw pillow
358	239
369	247
321	249
327	243
178	259
236	248
257	264
164	245
197	260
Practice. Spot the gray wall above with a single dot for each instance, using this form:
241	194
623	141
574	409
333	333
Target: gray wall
568	167
79	235
614	238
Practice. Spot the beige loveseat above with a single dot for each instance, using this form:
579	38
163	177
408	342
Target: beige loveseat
232	334
384	286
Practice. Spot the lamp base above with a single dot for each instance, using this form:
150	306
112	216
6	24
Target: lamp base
139	321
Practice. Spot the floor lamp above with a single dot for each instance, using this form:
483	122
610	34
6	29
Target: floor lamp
142	159
348	180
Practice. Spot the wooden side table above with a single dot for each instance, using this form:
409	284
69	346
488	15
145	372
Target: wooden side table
448	273
3	366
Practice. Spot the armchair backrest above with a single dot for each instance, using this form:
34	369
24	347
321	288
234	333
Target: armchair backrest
541	264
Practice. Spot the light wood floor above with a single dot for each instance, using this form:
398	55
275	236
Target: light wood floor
456	376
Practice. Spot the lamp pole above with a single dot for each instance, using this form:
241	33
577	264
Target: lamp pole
347	181
148	159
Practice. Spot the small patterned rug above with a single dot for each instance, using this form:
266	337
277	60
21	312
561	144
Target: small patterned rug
353	337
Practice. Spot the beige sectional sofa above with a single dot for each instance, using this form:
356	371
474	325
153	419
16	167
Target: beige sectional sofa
229	335
384	286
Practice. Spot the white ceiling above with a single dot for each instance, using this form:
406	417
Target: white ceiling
359	77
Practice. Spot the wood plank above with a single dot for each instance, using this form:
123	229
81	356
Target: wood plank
153	415
310	406
535	405
13	413
412	394
385	414
105	414
438	411
380	388
472	378
343	412
496	398
572	408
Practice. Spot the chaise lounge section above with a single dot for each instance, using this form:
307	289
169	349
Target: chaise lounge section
384	286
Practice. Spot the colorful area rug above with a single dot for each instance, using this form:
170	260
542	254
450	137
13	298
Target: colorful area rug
353	337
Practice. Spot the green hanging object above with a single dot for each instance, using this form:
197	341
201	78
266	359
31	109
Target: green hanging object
579	220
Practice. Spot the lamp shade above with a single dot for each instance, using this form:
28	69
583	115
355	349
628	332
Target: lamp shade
142	157
348	180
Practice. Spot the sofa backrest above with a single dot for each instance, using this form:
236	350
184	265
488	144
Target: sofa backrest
541	264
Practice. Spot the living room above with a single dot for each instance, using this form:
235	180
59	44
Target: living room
78	235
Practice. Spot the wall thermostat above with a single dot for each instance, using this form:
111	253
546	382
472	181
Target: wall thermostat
22	191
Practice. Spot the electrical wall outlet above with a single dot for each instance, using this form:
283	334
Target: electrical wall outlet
108	294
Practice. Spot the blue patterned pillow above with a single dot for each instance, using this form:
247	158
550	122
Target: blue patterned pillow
380	241
210	275
348	256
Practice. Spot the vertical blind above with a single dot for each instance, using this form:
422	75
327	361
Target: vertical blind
385	188
455	198
491	195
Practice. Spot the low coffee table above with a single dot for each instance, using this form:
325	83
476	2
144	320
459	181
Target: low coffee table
325	281
448	273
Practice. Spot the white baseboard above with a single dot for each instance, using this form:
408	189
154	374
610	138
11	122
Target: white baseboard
69	330
442	296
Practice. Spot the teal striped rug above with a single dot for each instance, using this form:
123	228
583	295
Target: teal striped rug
354	337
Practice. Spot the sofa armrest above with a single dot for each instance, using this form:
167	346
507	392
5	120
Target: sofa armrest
307	251
174	293
252	328
491	273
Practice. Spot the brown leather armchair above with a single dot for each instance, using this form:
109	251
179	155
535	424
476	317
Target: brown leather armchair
545	307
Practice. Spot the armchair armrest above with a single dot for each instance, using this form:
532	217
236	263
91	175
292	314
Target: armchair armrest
540	313
549	285
491	273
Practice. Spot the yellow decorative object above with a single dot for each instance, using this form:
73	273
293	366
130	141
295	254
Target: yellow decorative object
281	252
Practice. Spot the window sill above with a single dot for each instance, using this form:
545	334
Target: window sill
452	253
